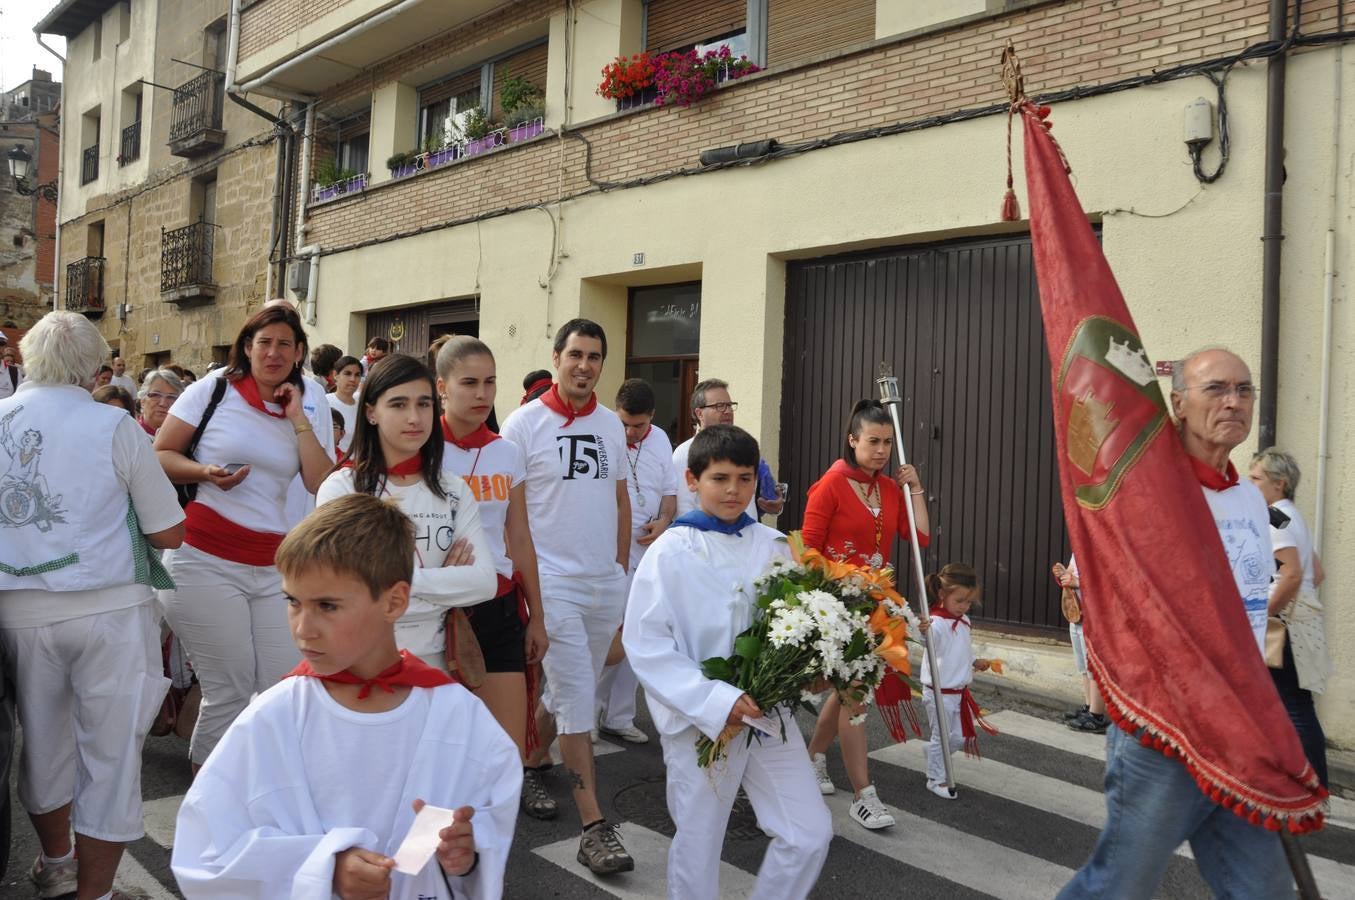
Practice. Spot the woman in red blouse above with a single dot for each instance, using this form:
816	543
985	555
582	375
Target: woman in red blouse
855	512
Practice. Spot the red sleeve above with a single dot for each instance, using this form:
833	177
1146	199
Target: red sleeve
818	513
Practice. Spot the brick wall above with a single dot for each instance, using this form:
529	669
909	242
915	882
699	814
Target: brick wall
1062	45
266	21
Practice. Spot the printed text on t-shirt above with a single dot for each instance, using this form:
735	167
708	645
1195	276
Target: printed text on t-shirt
583	456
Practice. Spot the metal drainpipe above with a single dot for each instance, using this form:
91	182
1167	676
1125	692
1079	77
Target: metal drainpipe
57	284
1272	230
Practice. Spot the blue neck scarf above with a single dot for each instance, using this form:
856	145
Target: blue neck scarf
704	521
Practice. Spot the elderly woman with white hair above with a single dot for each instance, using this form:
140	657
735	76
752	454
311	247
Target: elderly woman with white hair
83	502
1303	665
159	389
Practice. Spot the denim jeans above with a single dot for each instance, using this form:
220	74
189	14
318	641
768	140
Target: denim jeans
1153	807
1299	704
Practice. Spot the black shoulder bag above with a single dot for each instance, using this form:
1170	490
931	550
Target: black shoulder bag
189	492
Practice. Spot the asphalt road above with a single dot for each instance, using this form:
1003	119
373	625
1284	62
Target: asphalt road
1027	815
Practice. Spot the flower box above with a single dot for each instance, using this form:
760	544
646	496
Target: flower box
408	169
526	130
480	145
440	157
339	188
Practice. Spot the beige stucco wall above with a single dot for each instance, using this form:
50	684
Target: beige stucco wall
1191	278
89	83
901	16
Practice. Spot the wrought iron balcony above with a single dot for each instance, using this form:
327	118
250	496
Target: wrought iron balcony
186	263
89	164
85	286
130	148
195	125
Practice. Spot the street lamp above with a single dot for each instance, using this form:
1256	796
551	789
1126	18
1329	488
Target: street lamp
20	163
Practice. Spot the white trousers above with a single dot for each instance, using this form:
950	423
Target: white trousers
936	760
616	696
781	787
581	617
232	620
87	690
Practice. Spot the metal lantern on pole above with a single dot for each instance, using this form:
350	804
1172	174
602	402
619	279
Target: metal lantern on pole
889	396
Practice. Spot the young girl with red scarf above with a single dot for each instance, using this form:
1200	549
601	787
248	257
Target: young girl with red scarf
397	454
855	512
953	590
315	786
270	424
509	628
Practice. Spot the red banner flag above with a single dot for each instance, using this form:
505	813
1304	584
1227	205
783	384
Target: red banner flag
1168	639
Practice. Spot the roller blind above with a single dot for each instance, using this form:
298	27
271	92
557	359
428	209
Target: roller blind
800	29
529	64
670	24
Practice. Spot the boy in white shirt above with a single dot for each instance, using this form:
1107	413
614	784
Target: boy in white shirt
692	595
315	785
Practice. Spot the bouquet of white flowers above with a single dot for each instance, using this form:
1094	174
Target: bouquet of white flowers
817	623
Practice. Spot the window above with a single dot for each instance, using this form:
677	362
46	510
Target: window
663	340
352	152
94	239
122	14
528	63
129	142
679	24
98	39
800	29
442	104
202	198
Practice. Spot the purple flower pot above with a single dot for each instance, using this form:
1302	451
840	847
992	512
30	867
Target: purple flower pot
441	157
488	142
526	130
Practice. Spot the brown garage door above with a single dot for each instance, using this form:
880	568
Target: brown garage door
960	324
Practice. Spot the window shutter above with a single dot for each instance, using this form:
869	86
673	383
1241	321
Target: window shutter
671	24
529	64
800	29
451	87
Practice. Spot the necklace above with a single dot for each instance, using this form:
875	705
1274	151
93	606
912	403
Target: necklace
866	494
635	470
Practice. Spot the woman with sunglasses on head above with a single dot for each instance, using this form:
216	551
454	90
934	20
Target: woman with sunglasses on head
264	424
396	453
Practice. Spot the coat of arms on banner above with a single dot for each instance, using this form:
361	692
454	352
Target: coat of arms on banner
1113	406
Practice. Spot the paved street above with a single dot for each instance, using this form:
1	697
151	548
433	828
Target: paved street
1027	815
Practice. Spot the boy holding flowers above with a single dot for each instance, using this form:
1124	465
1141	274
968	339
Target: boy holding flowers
692	595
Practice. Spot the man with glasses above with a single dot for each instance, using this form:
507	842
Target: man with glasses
711	405
1153	804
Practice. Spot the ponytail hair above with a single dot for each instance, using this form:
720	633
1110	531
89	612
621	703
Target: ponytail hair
953	575
865	412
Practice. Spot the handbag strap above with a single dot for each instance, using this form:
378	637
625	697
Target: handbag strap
218	393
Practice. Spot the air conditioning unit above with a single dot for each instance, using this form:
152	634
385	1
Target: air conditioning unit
299	277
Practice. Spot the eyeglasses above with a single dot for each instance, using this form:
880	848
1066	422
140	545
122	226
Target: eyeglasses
1218	390
721	407
160	397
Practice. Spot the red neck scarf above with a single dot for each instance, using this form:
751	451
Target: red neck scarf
473	441
1211	477
408	671
855	473
249	389
642	439
941	612
558	404
144	427
411	466
533	388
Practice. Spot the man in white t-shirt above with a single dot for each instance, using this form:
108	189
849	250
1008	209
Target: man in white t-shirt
121	378
87	506
578	506
711	405
653	483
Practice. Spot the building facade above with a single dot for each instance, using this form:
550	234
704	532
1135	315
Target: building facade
167	189
30	124
868	232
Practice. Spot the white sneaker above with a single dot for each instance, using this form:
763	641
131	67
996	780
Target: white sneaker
593	734
820	764
869	811
941	790
630	734
55	880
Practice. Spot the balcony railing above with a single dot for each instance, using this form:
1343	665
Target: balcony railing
85	285
195	126
129	150
89	164
186	263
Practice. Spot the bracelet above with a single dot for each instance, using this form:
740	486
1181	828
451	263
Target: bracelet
447	880
303	428
917	493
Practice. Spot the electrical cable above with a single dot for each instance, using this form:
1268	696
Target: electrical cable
1257	51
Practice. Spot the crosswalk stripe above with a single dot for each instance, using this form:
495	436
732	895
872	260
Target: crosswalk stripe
132	876
649	881
1093	746
1071	801
914	840
160	816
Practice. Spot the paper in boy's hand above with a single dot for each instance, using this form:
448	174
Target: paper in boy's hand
762	724
421	842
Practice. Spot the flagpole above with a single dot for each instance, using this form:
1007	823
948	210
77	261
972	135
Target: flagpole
889	396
